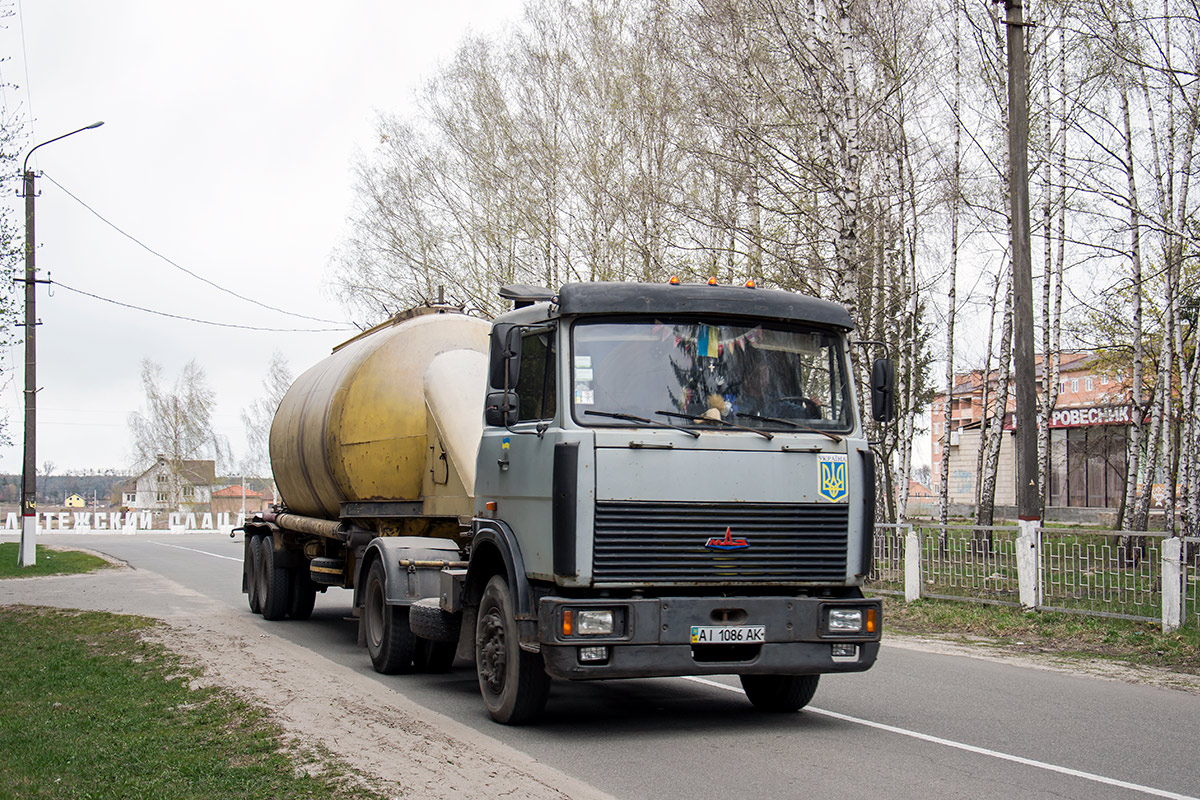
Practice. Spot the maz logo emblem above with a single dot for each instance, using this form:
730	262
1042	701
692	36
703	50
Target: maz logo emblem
728	543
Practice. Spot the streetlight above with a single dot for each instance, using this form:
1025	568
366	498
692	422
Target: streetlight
27	556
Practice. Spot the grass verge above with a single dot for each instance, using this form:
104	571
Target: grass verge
90	710
1138	644
47	562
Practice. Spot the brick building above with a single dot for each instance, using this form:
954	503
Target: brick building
1088	430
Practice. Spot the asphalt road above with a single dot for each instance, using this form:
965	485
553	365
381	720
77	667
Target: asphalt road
917	725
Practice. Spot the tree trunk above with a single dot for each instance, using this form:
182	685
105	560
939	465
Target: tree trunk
995	428
1136	429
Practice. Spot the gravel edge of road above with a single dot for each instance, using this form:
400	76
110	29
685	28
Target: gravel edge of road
400	748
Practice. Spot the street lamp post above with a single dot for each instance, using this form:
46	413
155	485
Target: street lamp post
27	555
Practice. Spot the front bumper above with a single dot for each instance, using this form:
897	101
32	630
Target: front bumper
653	637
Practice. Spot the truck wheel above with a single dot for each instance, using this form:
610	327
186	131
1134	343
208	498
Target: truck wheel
433	656
250	571
779	693
303	595
389	640
273	585
513	682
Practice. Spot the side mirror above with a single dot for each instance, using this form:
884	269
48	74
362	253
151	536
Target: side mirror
500	409
505	363
883	390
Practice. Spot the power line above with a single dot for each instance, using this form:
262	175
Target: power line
181	268
25	59
193	319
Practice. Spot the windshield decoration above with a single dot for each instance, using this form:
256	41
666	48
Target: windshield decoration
831	477
704	376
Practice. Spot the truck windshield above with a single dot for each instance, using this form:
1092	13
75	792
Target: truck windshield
700	374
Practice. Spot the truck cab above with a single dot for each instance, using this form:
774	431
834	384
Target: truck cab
671	480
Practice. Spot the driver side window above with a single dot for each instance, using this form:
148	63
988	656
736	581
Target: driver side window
536	382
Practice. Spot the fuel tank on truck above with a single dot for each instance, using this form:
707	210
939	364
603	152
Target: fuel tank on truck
362	426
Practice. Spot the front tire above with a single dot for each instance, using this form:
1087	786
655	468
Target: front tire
779	693
390	642
513	682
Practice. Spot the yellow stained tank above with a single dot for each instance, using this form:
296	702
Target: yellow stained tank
356	427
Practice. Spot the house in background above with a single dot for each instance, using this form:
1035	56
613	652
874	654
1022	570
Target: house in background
74	501
183	486
229	500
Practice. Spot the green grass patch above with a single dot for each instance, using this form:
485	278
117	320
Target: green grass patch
47	562
1048	632
88	709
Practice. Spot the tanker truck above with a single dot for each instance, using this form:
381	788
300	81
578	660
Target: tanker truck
613	480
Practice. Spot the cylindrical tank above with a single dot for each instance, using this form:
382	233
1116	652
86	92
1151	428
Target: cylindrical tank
353	427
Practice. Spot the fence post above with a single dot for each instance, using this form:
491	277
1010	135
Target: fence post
1172	584
912	565
1029	567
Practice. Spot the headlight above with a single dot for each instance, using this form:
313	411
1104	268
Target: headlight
845	620
590	621
594	622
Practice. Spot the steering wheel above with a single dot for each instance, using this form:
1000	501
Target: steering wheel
809	408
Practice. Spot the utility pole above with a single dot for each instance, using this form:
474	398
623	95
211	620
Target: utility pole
1023	356
1028	551
27	554
28	550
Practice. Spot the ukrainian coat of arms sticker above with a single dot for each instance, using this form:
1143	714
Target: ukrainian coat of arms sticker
832	481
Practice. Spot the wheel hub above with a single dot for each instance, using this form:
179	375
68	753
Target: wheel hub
492	656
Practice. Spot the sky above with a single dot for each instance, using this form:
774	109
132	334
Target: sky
230	133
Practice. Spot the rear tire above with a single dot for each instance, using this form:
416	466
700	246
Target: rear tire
389	640
275	582
303	595
434	657
779	693
513	682
250	572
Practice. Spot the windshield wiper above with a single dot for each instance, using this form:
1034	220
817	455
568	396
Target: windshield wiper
790	424
726	423
652	422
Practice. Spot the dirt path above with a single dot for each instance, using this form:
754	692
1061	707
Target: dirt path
401	749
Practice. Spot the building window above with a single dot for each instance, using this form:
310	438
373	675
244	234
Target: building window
1104	380
160	497
189	491
1088	384
1088	466
1075	385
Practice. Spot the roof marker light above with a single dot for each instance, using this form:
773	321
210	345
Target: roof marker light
674	280
712	281
750	284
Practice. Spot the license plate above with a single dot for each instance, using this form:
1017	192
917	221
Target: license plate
729	634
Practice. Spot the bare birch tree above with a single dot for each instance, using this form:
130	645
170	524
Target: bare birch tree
176	424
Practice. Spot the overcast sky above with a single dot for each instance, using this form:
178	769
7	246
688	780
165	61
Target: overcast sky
230	130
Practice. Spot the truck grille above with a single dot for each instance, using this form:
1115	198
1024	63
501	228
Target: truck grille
664	543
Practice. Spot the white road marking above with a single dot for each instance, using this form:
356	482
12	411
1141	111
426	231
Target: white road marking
194	550
983	751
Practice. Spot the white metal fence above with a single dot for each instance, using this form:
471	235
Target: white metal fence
1100	573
